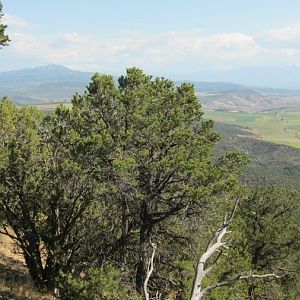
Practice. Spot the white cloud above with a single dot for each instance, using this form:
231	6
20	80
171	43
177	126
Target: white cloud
289	33
177	51
15	22
26	44
148	51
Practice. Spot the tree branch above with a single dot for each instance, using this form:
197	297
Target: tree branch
232	281
150	269
214	245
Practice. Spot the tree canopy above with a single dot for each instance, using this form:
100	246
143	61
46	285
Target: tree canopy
4	39
126	181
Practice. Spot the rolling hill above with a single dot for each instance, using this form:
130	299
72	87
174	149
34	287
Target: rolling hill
249	100
54	83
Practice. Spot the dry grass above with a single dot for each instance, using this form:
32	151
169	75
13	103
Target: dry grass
14	279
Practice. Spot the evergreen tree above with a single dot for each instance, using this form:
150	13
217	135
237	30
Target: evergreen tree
4	39
159	162
46	197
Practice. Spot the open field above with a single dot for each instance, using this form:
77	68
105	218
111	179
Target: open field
50	107
276	126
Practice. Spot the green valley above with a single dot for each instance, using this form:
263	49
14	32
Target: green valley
276	126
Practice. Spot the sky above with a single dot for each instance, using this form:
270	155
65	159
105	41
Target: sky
165	37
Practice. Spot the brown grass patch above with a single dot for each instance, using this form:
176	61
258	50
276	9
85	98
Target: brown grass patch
15	282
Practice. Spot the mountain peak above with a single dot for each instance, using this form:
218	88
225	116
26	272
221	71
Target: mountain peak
52	67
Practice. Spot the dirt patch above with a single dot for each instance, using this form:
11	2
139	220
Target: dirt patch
15	283
293	113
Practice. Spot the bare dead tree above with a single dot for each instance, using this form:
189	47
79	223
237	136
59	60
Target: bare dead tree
215	245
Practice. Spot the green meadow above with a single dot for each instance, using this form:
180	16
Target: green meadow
276	126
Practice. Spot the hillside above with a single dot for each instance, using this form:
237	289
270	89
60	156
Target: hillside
15	283
249	100
275	126
269	163
65	164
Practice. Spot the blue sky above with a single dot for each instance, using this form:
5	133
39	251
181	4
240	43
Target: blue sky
175	37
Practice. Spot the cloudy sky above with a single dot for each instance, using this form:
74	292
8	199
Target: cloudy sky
172	37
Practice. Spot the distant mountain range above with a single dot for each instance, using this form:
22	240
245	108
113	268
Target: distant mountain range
54	83
281	77
42	75
51	83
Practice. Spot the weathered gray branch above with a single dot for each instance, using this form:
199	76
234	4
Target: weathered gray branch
150	268
215	245
237	278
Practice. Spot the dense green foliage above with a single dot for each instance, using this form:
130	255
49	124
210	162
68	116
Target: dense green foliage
3	37
271	228
266	239
88	191
44	192
96	284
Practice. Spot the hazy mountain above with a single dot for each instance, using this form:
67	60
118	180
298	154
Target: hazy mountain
45	74
42	84
287	77
54	83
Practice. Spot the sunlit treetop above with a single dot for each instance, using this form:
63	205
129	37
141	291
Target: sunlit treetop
4	39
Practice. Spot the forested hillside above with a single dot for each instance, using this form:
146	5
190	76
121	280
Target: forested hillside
270	163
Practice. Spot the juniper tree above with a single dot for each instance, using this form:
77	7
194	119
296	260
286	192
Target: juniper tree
4	39
160	161
45	195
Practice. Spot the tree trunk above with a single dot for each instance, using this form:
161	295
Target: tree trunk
251	290
35	270
144	239
125	226
51	272
141	267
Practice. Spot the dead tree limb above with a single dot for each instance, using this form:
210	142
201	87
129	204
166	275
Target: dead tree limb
214	246
150	268
232	281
